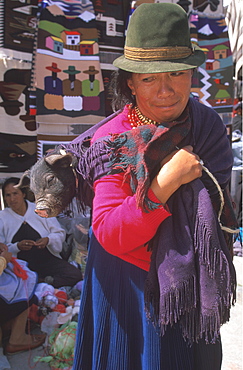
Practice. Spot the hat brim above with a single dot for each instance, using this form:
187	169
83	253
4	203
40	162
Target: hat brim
71	72
91	72
194	60
11	103
53	69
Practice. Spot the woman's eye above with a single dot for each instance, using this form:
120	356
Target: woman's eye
176	74
148	79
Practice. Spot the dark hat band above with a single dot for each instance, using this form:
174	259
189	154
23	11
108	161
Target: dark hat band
165	53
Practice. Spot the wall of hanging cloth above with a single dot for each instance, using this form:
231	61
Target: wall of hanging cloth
55	67
234	21
67	79
18	135
210	8
56	62
75	45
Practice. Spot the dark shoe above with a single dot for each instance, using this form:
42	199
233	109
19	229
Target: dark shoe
37	340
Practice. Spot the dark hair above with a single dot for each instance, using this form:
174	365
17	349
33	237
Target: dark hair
14	181
119	90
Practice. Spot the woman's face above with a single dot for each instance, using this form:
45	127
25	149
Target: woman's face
161	96
13	197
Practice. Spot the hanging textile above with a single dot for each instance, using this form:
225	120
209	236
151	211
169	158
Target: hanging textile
234	21
210	8
187	5
17	25
214	79
18	130
110	22
17	127
75	46
66	82
67	74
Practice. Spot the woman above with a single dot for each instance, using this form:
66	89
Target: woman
34	239
159	278
16	296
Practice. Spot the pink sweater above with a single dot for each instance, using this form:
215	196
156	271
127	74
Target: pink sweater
119	225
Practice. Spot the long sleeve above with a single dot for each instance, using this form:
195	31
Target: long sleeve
7	232
119	225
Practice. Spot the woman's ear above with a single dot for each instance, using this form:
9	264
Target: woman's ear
130	85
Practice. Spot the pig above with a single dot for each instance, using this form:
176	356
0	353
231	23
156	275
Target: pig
53	181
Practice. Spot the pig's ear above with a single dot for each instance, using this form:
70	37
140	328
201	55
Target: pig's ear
62	160
24	181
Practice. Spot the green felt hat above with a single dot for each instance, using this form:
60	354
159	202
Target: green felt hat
158	40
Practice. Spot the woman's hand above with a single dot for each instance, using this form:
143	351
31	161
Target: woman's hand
7	255
3	247
42	242
180	167
25	245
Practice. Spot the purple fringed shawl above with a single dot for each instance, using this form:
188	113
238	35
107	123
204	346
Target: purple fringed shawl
192	278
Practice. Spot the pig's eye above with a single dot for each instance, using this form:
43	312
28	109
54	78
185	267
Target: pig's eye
50	180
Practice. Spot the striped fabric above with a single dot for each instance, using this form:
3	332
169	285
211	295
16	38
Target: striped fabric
234	21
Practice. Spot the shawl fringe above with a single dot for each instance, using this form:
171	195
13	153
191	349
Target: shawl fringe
120	162
79	147
180	306
201	302
94	156
175	302
138	153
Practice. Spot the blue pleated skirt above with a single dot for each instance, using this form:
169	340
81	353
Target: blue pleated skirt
113	330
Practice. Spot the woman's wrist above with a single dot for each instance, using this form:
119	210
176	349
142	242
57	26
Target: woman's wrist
163	187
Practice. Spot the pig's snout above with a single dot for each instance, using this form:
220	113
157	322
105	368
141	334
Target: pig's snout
43	212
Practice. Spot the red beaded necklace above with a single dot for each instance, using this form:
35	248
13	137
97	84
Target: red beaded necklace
136	118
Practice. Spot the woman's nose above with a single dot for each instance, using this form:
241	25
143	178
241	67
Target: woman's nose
12	196
165	87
